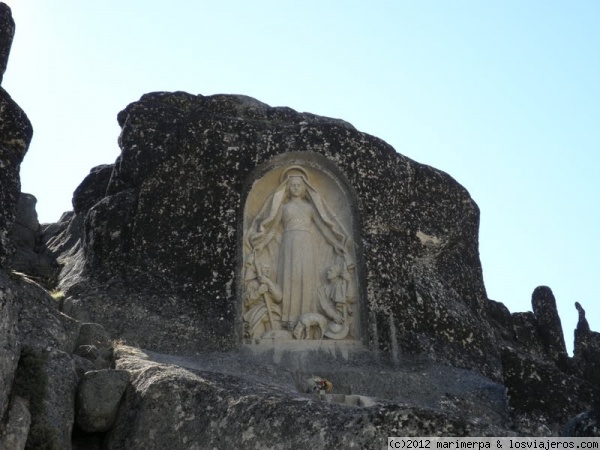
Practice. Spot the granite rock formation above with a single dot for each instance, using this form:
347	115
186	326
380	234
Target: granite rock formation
98	399
587	349
216	410
26	237
163	229
153	253
7	32
157	253
15	135
39	374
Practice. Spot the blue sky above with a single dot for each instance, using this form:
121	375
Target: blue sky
502	95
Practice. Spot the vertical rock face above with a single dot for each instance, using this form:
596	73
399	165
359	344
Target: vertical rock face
92	189
7	32
48	380
549	325
538	389
26	235
587	349
98	399
15	136
9	336
169	225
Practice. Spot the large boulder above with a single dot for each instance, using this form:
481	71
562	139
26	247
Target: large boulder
162	242
36	365
41	324
541	397
10	349
549	326
98	398
15	136
26	237
167	406
47	379
18	422
586	352
92	189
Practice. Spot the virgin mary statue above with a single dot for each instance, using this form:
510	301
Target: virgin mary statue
297	235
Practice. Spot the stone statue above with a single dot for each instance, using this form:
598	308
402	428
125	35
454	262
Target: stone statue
261	299
336	299
296	233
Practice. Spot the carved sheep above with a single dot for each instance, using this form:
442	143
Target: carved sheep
306	322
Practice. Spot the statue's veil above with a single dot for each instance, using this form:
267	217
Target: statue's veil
264	226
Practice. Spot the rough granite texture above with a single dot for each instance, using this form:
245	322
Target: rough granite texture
161	246
25	235
213	410
15	136
10	349
18	423
7	32
36	364
98	398
92	189
152	251
537	389
549	325
586	352
47	379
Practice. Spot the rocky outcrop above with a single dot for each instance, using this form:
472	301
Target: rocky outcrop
587	349
162	230
15	136
47	379
98	399
10	349
39	374
18	423
92	189
549	326
7	32
26	236
153	251
230	411
542	395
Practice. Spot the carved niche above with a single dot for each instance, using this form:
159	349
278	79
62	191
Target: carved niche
299	277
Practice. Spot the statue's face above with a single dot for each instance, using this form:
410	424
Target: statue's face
266	271
333	273
296	187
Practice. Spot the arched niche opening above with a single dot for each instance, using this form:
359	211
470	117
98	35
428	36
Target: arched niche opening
299	276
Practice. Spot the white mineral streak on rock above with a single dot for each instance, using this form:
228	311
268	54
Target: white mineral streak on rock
228	287
429	241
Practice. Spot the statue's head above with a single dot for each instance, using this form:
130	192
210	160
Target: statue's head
296	186
296	178
334	272
266	270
